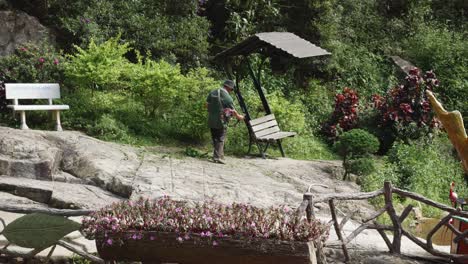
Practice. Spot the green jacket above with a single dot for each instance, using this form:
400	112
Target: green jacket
215	109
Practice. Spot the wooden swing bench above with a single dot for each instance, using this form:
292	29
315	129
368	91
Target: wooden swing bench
265	130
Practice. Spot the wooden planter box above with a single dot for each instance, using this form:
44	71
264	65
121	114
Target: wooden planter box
164	248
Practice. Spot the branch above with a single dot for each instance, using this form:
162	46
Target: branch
82	253
430	202
348	196
51	211
437	227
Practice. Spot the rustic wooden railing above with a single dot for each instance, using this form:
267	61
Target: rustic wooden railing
398	231
65	243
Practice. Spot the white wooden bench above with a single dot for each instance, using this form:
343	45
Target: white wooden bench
266	130
20	91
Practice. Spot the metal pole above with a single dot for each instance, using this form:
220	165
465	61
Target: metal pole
257	85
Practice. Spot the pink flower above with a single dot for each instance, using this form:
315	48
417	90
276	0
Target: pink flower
109	241
23	49
56	61
41	60
180	240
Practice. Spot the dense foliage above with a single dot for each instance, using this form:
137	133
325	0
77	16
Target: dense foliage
211	220
168	29
405	109
424	167
345	115
355	147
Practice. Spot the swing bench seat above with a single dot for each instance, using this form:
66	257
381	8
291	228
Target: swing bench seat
265	131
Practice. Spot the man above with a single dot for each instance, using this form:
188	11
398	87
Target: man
220	109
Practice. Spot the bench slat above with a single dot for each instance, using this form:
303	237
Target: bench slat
263	119
38	107
32	90
266	125
277	135
267	131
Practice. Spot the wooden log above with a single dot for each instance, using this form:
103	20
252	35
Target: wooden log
405	213
363	227
430	202
385	238
302	207
348	196
433	251
375	215
442	222
396	244
51	211
310	206
80	252
321	257
346	219
338	230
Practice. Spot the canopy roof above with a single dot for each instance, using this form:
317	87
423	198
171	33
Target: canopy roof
285	41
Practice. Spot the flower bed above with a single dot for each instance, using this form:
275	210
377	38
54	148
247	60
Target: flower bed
209	226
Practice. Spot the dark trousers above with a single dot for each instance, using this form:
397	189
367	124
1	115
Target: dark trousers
218	135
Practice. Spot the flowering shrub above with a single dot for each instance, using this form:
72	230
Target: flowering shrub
208	219
33	63
406	108
345	115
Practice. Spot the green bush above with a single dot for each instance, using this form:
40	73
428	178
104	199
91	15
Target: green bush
354	147
361	166
108	128
99	66
422	167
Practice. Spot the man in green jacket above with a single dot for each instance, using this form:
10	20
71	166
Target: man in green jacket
220	109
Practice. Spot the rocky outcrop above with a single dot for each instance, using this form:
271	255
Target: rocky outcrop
58	194
63	169
67	161
69	157
17	28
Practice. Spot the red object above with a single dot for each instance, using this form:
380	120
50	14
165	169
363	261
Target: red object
461	247
453	196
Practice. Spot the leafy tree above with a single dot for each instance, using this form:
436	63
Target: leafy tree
167	29
353	146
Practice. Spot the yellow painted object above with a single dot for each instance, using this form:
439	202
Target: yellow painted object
453	124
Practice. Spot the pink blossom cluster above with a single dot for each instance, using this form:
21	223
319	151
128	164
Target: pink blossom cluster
130	220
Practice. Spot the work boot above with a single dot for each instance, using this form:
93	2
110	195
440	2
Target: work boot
220	161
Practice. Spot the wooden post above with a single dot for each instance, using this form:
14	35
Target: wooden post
396	245
338	230
310	206
23	120
58	125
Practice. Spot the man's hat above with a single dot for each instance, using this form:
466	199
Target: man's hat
230	84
